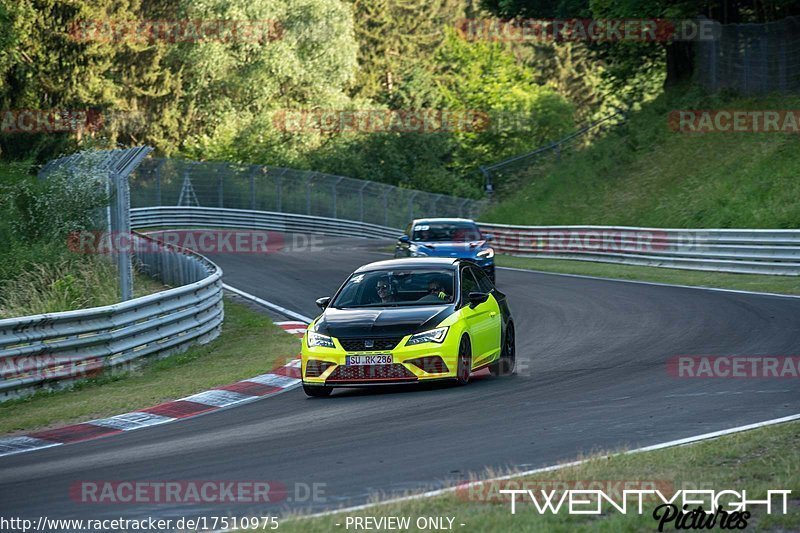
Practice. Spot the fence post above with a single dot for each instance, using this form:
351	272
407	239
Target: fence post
335	185
782	59
361	201
308	192
253	187
279	190
436	205
220	192
461	208
120	227
386	206
411	205
158	181
487	181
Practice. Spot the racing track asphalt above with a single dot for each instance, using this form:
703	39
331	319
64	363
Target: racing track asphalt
592	377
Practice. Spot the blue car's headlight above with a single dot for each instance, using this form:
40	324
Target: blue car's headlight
434	335
486	254
319	340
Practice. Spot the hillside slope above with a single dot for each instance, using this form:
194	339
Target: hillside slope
643	174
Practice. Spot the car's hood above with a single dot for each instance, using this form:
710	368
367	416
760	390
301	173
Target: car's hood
452	249
382	321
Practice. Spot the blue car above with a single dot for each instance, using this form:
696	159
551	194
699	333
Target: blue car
447	237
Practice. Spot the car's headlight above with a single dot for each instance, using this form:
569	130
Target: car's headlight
487	253
318	340
434	335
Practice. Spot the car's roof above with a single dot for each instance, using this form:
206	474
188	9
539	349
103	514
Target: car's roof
422	220
411	263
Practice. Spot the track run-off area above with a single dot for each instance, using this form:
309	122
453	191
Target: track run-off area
593	359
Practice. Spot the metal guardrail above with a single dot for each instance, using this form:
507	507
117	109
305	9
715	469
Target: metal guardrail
55	348
214	217
727	250
747	251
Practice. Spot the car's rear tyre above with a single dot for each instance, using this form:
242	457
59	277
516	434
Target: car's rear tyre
464	366
506	363
317	391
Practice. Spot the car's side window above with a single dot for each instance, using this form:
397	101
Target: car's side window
484	282
468	284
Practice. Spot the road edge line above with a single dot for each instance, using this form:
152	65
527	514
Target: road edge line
653	283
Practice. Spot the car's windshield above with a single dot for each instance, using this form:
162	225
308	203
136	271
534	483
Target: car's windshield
445	232
401	287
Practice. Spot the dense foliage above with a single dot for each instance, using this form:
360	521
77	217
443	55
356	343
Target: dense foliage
217	99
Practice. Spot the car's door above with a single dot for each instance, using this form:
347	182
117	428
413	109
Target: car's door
499	300
483	320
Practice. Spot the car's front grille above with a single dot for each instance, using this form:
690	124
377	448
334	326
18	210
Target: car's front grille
376	344
394	371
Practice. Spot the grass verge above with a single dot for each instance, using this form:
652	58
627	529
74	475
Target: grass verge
250	344
644	174
757	461
724	280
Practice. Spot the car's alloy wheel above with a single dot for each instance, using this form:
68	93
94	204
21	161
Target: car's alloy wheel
317	391
464	368
505	364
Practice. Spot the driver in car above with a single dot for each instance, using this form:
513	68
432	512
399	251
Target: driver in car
384	289
436	292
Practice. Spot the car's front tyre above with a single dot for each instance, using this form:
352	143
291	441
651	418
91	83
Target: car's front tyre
317	391
464	365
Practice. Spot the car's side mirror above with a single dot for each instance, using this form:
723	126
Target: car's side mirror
323	302
403	239
488	237
477	298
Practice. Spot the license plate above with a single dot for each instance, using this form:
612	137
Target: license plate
361	360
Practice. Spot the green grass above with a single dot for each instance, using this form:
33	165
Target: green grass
42	275
70	283
643	174
250	344
747	282
758	460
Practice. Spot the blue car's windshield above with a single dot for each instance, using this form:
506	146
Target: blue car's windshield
393	288
445	232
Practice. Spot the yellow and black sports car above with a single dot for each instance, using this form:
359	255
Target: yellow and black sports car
408	321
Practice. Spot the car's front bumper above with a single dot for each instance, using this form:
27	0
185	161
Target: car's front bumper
337	374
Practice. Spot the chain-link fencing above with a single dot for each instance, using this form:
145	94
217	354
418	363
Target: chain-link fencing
751	58
174	182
